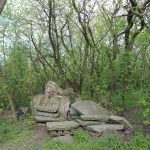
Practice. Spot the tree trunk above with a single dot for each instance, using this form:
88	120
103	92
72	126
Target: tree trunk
13	110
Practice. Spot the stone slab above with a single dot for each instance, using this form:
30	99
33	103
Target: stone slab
73	117
94	118
53	133
121	120
73	112
87	123
46	114
87	107
47	109
48	119
105	127
65	125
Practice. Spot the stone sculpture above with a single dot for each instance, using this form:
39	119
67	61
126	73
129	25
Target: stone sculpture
62	110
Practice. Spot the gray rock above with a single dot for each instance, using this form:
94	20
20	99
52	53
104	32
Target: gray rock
60	132
95	118
53	133
64	104
64	139
89	108
65	125
47	109
47	119
105	127
73	112
121	120
43	103
73	117
54	104
50	104
46	114
87	123
67	132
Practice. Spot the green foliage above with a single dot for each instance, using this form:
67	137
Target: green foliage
11	132
28	122
139	142
14	134
81	137
91	54
107	142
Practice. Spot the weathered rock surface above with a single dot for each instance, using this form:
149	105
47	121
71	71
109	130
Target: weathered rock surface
89	108
52	102
95	118
64	104
105	127
43	103
73	117
46	114
48	119
53	133
53	108
65	125
47	109
121	120
73	112
86	123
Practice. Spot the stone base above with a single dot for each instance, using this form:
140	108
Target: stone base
65	125
105	127
94	118
121	120
87	123
46	114
48	119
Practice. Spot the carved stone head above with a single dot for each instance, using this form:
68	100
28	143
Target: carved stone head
51	89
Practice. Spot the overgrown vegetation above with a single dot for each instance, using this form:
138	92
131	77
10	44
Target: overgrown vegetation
12	132
100	48
109	142
14	135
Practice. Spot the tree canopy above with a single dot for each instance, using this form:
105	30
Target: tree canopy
100	48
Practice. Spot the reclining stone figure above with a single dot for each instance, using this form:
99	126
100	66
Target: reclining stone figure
55	100
57	106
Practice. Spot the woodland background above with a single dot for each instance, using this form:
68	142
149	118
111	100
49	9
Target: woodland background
100	48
